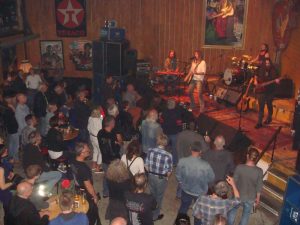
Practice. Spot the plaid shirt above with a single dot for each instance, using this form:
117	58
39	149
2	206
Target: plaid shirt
206	207
159	161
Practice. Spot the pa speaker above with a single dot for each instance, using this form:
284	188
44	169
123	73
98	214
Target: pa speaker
115	58
232	96
99	57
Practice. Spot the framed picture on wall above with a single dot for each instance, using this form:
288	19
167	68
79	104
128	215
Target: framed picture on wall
224	23
81	55
52	56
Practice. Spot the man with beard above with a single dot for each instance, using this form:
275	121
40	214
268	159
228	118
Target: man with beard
265	94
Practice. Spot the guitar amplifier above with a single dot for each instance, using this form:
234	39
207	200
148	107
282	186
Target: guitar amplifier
221	93
112	34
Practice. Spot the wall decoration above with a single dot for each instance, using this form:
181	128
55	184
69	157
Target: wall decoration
52	56
224	23
81	54
11	18
70	18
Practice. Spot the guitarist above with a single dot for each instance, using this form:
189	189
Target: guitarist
196	78
265	94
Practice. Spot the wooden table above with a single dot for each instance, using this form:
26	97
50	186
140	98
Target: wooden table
55	210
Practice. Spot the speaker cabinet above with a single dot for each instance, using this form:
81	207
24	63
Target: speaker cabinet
115	58
99	57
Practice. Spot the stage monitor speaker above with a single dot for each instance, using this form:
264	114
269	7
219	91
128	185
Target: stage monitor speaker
115	58
235	140
206	124
232	96
99	57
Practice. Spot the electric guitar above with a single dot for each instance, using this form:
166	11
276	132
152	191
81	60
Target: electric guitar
260	87
190	75
244	102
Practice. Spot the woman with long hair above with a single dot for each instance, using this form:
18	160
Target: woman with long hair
118	180
132	159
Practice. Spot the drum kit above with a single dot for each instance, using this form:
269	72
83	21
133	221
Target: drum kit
240	71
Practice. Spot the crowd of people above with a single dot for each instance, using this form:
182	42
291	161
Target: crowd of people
137	142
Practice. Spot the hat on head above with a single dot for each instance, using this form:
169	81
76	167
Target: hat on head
196	146
222	188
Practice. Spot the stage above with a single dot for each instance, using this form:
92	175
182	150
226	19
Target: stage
225	113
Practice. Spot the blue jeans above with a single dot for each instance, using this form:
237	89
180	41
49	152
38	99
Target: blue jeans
105	191
157	187
42	126
186	201
199	86
178	191
247	208
13	145
172	142
49	179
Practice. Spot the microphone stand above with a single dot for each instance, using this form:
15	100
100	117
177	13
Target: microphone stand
241	111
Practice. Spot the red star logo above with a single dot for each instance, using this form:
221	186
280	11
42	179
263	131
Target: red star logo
70	13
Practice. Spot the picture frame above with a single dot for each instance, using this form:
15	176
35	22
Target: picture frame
224	24
81	54
52	55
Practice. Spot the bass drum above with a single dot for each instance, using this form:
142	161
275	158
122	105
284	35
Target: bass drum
233	76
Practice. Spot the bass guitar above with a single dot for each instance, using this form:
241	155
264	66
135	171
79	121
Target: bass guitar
244	102
260	87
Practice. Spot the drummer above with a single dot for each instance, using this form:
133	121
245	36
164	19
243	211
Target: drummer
263	55
170	65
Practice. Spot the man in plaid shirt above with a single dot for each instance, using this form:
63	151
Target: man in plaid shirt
207	206
159	165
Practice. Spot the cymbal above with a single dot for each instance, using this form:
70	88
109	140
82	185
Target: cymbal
234	58
248	57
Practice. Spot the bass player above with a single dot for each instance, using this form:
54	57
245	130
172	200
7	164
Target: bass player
196	78
265	82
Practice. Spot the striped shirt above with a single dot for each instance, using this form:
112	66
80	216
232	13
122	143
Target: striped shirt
159	161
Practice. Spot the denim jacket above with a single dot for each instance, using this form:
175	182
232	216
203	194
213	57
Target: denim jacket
194	175
149	130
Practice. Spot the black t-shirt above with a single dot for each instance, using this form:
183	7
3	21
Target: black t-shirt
110	150
140	207
82	172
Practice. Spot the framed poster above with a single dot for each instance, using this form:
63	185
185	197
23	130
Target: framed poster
81	55
11	17
52	56
224	23
70	18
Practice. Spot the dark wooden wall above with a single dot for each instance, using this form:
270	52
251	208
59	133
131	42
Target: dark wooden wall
290	59
153	27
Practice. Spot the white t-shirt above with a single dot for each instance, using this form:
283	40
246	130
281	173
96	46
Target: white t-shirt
33	81
201	68
136	167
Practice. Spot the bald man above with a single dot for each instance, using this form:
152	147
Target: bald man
22	211
220	159
118	221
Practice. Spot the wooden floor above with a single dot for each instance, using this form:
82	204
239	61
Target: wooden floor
283	155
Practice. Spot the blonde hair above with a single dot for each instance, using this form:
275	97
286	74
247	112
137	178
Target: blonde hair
117	171
162	140
95	113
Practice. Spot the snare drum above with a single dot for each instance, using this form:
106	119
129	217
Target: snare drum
233	76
